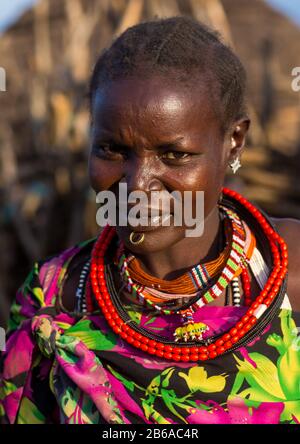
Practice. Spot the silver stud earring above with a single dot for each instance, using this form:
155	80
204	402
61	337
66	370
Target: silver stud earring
235	165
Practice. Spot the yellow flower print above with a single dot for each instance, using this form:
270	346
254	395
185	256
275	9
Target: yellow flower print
197	380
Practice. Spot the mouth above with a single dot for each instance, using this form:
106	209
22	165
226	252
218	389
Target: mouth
149	222
155	222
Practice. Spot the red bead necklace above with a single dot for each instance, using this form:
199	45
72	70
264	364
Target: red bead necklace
227	340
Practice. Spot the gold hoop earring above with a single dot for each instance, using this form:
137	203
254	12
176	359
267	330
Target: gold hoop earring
138	241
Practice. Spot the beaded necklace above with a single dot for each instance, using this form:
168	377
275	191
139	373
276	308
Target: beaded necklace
262	308
83	290
236	253
197	278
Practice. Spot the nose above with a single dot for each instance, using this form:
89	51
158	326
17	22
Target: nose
143	175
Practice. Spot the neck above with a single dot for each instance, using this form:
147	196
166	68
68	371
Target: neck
186	253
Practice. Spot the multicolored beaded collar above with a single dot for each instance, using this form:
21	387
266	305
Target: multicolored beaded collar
206	290
259	313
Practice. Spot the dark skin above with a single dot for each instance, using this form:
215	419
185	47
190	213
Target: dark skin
157	135
136	124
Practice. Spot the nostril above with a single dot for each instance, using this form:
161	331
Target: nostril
155	185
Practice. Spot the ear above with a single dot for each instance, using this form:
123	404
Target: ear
237	137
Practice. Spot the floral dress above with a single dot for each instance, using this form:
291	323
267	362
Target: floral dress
61	367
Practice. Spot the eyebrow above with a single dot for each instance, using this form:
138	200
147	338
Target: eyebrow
161	146
173	143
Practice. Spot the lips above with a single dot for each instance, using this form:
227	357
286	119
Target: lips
146	209
159	219
146	218
149	223
145	212
153	224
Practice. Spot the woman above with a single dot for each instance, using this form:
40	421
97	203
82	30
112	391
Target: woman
145	324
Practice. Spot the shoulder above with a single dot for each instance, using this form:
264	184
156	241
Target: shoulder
53	267
289	230
43	283
60	274
72	276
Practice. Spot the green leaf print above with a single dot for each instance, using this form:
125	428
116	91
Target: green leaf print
39	294
135	316
79	408
268	382
130	385
158	388
92	338
29	413
263	377
6	388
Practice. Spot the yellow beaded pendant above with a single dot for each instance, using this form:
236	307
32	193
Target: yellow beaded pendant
191	332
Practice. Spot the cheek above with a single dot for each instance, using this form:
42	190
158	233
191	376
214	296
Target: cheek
206	175
212	183
103	174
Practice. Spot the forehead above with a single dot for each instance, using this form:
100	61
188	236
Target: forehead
154	106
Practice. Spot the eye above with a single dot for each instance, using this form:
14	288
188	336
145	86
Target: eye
107	151
175	156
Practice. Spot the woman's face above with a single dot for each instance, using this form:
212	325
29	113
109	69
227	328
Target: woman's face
156	135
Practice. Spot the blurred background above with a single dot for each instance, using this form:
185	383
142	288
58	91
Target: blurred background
48	49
